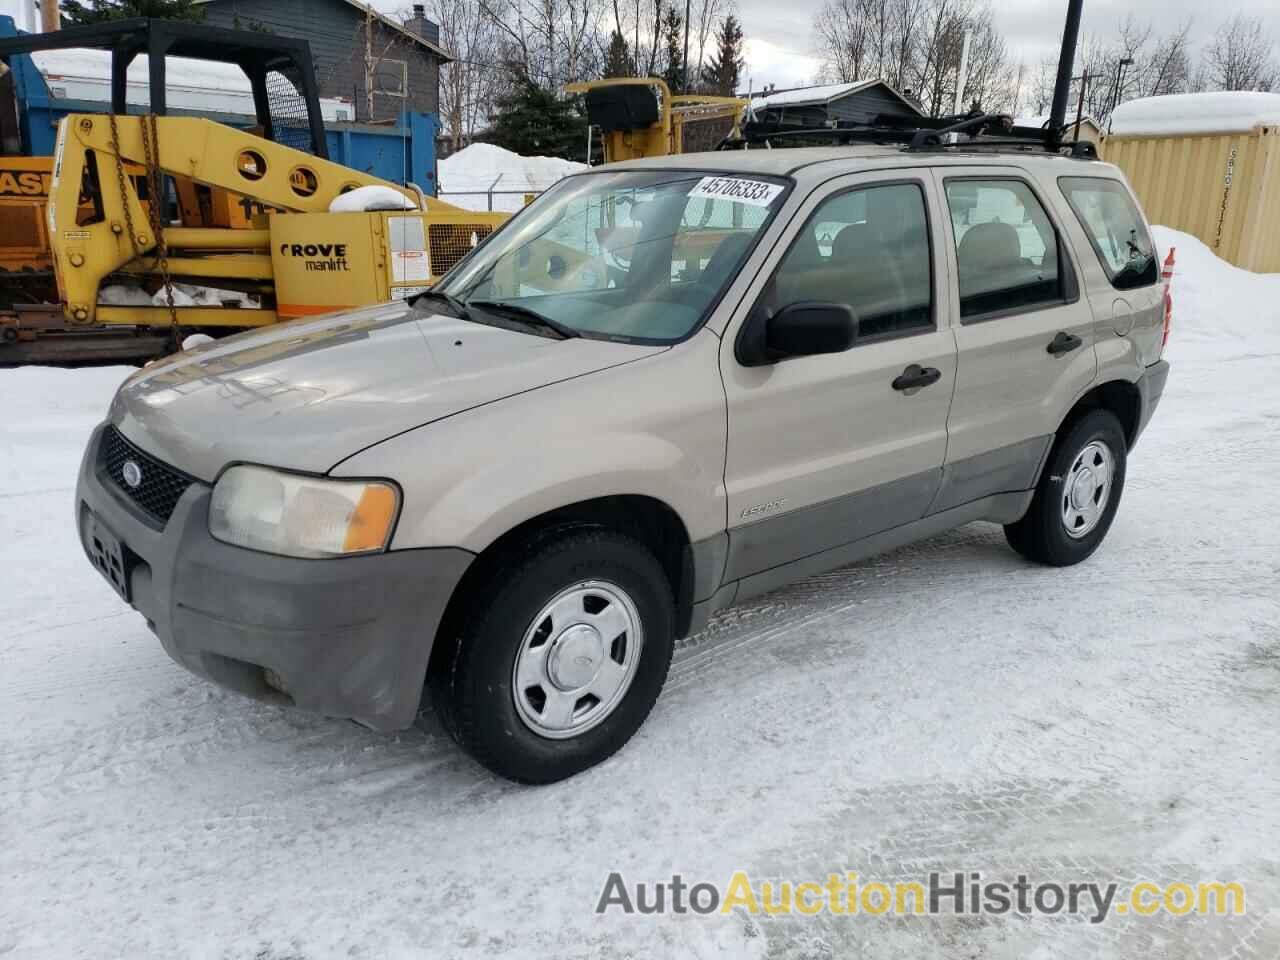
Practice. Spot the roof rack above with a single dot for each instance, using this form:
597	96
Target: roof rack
964	132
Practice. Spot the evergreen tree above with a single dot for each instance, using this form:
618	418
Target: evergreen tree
673	37
722	73
617	61
534	121
100	11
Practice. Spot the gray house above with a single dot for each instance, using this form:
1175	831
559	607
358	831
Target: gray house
346	38
859	101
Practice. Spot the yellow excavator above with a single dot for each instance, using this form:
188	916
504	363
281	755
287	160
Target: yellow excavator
159	207
640	117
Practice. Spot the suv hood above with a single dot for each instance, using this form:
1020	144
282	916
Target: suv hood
308	394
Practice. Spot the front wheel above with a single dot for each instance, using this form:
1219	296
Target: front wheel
562	657
1078	493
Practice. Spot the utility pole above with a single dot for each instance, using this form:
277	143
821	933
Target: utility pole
50	16
1115	93
685	72
962	75
1066	61
1084	89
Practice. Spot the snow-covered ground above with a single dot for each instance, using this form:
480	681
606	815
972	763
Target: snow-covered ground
946	706
467	176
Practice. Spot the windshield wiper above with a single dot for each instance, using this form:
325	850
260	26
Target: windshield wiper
526	315
454	303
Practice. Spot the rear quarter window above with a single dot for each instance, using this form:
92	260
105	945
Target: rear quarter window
1115	228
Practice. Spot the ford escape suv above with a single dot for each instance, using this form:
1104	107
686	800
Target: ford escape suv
664	387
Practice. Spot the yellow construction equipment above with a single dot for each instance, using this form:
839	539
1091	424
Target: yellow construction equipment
298	258
640	117
223	228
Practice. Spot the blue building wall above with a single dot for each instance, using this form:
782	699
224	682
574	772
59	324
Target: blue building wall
401	153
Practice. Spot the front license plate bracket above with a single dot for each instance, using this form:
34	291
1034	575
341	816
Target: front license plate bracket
110	556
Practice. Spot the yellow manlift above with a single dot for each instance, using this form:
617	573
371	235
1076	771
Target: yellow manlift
148	204
299	258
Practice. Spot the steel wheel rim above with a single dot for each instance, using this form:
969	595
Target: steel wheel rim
577	659
1086	488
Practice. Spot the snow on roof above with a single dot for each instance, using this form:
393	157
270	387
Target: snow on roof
809	95
202	85
466	176
87	64
1238	111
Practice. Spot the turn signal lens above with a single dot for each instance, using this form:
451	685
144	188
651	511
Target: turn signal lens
372	520
297	516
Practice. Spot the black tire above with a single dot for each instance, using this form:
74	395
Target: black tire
1041	535
472	687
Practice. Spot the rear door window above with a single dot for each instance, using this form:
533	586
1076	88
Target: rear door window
1006	248
1115	228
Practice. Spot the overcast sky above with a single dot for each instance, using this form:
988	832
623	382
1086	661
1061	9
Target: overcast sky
780	47
780	44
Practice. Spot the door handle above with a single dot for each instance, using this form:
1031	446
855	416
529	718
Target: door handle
1063	343
916	376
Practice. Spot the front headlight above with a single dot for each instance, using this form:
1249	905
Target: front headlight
298	516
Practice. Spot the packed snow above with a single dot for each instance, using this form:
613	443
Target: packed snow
1187	114
184	295
374	196
468	175
943	707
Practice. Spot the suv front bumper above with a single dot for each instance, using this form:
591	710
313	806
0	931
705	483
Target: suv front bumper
344	637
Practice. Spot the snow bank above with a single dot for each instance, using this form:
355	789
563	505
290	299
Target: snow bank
1183	114
184	295
466	176
119	295
1217	306
372	197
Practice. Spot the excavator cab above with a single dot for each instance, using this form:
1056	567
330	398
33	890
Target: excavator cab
640	117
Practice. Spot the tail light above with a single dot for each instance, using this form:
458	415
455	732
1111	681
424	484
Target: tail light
1166	276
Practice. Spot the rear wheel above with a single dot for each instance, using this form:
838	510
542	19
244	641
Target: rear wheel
562	657
1078	493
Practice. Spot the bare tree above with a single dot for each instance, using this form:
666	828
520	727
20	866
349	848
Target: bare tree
470	84
861	39
381	48
552	42
704	16
940	40
990	82
1239	56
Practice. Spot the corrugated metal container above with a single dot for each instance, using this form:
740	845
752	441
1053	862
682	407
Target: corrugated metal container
1222	187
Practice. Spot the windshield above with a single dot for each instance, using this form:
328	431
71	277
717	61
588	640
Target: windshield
637	255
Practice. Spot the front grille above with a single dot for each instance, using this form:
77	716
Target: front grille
161	486
450	242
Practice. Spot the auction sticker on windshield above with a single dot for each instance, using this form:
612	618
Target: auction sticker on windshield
758	193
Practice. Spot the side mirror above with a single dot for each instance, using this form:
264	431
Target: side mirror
797	330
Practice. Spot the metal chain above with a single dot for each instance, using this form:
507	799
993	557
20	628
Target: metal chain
120	182
155	185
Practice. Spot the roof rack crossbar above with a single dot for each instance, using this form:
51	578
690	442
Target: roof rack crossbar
981	130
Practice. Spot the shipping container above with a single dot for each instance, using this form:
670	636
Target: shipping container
1207	164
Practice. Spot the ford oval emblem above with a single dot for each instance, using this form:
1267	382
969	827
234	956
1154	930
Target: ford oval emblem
132	474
